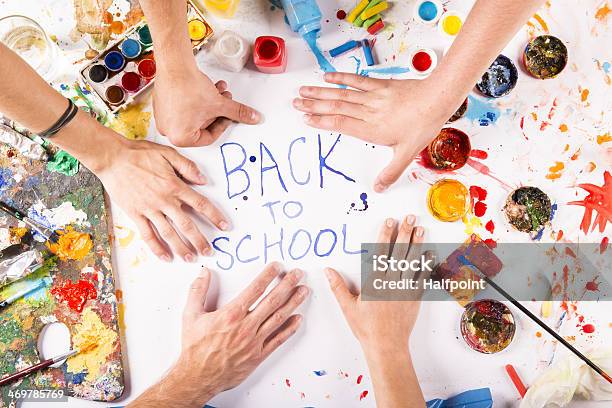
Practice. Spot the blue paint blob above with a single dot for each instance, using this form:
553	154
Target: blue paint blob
114	61
320	373
252	159
78	378
553	210
606	67
131	48
311	40
428	11
483	111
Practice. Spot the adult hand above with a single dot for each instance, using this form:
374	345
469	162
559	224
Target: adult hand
220	349
403	114
151	183
192	111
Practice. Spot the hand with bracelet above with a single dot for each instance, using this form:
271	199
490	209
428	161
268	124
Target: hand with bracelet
150	182
407	114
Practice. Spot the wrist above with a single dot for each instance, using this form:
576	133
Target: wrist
381	352
187	387
450	91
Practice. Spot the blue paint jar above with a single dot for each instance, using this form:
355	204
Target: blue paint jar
114	61
131	48
304	16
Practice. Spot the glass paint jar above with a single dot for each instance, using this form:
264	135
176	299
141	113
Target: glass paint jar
232	51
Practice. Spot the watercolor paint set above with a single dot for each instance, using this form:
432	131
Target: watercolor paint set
126	68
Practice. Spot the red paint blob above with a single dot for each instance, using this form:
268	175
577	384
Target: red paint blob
359	379
593	286
363	395
341	14
478	193
421	61
604	245
75	294
480	209
490	226
588	328
479	154
131	81
287	382
491	243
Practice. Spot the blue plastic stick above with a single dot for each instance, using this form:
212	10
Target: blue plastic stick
341	49
367	52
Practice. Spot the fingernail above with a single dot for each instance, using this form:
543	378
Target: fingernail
276	267
328	273
297	102
208	251
202	179
189	258
410	219
165	258
224	225
420	231
379	187
390	222
299	274
303	291
307	118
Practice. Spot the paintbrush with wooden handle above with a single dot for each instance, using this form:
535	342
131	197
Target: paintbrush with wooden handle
533	317
42	230
36	367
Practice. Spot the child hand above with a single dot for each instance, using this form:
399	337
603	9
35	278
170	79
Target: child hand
403	114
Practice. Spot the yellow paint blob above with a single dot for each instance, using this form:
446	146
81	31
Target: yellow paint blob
555	171
197	30
71	244
95	342
132	122
451	25
601	139
471	224
448	200
125	236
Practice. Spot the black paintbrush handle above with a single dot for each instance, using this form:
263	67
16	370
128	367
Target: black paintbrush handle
25	372
548	329
11	211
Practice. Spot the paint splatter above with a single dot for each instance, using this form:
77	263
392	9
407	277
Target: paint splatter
482	111
555	171
359	378
341	14
76	294
71	244
287	382
63	163
601	139
598	199
602	13
364	203
603	246
320	373
124	235
490	226
132	122
95	341
588	328
363	395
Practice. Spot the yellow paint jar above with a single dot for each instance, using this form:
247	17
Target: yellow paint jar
222	8
448	200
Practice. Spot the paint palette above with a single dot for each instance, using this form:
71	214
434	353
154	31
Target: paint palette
127	67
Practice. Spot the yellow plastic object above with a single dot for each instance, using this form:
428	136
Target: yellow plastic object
357	10
372	11
222	8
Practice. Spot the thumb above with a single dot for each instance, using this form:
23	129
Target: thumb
197	294
340	290
392	172
186	168
239	112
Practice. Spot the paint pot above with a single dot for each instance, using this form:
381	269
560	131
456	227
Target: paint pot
428	11
232	51
450	150
197	30
528	209
460	112
53	340
131	48
131	81
269	55
500	79
98	73
450	23
487	326
114	61
115	95
448	200
545	57
423	61
144	36
222	8
147	68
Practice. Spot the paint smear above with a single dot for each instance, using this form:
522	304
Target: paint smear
482	111
76	294
71	244
63	163
363	395
598	200
555	171
95	341
125	236
601	139
603	12
132	122
311	40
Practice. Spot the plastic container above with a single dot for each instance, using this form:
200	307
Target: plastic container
222	8
304	16
270	55
231	51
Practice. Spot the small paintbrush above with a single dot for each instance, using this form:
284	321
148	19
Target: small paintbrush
42	230
540	323
36	367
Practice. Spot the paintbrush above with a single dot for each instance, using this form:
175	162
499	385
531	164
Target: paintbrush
540	323
42	283
36	367
42	230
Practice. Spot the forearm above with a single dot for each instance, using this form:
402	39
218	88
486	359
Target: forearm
27	99
394	379
490	25
168	23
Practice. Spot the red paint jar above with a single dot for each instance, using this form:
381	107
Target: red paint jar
131	81
147	68
270	55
